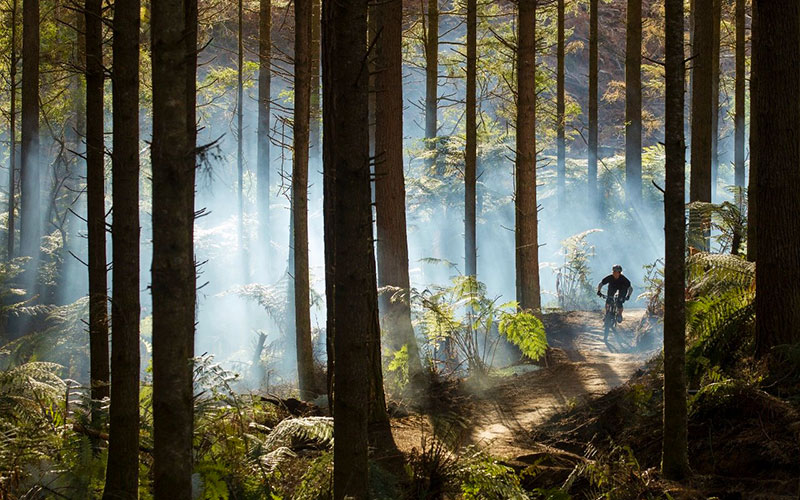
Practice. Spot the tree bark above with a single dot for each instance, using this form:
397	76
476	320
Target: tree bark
240	142
715	48
262	144
633	103
471	160
302	98
526	208
432	80
593	81
752	189
700	182
315	136
95	202
174	33
12	128
30	230
350	264
776	137
122	472
739	88
675	462
390	191
561	145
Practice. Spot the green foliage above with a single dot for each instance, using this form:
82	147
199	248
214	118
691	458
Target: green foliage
32	421
317	482
482	477
573	289
726	220
720	313
653	293
525	331
398	368
437	471
462	325
63	338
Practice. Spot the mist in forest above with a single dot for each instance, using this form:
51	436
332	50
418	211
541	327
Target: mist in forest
229	320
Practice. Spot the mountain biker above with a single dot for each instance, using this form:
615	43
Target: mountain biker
617	284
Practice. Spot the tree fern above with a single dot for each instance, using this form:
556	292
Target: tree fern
720	312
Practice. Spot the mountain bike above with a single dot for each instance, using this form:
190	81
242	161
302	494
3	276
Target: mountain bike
611	319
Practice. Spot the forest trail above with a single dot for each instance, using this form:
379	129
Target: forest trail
504	413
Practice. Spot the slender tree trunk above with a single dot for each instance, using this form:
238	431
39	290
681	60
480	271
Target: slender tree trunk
633	103
390	191
174	33
95	202
777	139
12	128
526	208
432	80
739	88
302	97
122	473
561	145
752	189
315	136
700	183
348	237
675	462
593	78
715	47
262	144
471	160
30	229
239	142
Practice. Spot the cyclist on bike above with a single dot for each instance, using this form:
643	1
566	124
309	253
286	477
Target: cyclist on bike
617	284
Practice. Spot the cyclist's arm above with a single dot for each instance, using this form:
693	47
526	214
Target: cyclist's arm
600	285
630	291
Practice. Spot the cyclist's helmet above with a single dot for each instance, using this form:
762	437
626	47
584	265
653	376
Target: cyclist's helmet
617	267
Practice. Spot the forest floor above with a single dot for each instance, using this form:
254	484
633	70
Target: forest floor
592	417
502	412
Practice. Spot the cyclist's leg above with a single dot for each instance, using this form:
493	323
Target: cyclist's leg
619	309
608	319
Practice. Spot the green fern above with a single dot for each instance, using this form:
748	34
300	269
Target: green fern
481	477
720	313
525	331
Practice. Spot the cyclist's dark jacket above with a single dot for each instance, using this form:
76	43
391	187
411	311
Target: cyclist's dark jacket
622	284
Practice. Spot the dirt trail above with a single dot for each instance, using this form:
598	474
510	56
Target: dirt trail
503	415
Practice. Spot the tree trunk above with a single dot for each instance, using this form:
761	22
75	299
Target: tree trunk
12	128
526	208
752	188
471	160
561	145
315	134
633	103
349	263
302	97
593	78
675	462
95	202
239	142
700	183
122	473
739	87
174	32
776	137
262	144
390	191
715	47
431	80
30	230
